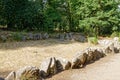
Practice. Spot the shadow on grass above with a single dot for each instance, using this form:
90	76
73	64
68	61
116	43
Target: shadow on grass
37	43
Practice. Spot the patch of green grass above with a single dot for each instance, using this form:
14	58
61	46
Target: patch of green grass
17	36
93	40
115	34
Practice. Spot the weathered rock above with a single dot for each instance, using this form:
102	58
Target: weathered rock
40	36
56	36
30	36
37	36
24	38
48	67
11	76
2	78
109	48
70	36
117	49
28	73
82	38
45	36
3	38
62	64
62	36
90	55
97	53
45	67
108	45
67	36
101	52
53	68
104	42
116	39
79	60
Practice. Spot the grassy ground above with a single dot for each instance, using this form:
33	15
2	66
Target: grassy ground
14	55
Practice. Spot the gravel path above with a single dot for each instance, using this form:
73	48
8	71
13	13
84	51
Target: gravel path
107	68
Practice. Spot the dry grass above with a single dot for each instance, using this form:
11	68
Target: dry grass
15	55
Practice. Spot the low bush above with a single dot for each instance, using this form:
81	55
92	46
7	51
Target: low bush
93	40
17	36
115	34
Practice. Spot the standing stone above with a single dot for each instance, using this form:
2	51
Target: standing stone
82	38
45	67
57	36
70	36
98	54
2	78
62	37
45	36
101	52
104	42
90	55
62	64
67	36
48	67
40	36
11	76
30	36
117	49
116	39
24	38
116	45
28	73
53	68
79	60
36	36
109	48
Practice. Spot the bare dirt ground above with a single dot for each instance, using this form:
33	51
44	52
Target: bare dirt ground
16	55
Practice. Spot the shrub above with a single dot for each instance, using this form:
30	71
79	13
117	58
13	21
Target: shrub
115	34
17	36
93	40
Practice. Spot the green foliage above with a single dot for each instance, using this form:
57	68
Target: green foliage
115	34
93	40
22	14
17	36
97	15
93	17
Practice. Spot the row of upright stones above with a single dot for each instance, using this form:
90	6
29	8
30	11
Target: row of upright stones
23	37
52	65
41	36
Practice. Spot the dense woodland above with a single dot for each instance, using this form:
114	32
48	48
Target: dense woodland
93	17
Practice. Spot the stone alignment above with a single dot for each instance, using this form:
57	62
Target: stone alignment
52	65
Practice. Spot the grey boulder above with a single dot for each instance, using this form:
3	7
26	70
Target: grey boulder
26	73
79	60
62	64
11	76
48	67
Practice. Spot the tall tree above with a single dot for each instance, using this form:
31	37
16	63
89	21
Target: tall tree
96	15
23	14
